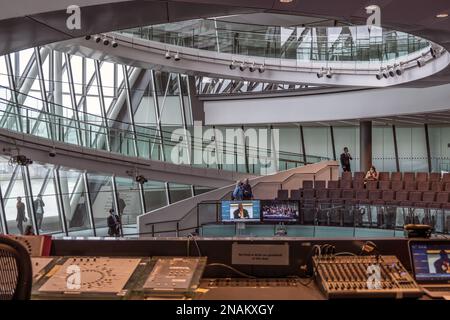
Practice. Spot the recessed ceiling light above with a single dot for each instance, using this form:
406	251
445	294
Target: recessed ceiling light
286	1
442	15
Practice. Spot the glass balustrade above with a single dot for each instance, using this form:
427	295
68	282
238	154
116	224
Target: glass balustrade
334	44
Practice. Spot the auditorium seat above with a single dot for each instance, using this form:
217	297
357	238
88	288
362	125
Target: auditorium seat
320	184
348	195
372	185
362	197
388	197
384	185
345	184
374	195
423	186
309	194
296	195
359	176
410	185
358	184
396	176
428	198
308	184
346	176
397	185
283	195
414	197
409	176
437	186
322	195
384	176
421	176
446	177
441	199
401	196
333	184
434	177
447	187
335	194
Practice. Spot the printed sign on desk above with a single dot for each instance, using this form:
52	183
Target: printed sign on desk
260	254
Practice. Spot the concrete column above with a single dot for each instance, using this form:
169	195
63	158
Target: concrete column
365	142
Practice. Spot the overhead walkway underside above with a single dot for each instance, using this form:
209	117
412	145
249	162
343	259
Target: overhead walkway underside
76	157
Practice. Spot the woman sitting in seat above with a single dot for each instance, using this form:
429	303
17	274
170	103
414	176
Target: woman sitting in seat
372	174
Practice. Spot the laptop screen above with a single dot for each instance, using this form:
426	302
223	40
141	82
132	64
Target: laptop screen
431	261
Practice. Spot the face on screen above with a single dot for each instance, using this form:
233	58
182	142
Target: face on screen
240	211
431	262
438	261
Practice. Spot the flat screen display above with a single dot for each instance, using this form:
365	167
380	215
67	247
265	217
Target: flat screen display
431	261
279	211
241	211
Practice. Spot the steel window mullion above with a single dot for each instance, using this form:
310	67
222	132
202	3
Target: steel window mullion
157	114
12	85
29	198
60	200
73	98
88	202
141	197
183	117
130	109
169	201
3	220
44	92
102	101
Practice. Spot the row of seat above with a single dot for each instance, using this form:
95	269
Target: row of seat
396	185
427	199
399	176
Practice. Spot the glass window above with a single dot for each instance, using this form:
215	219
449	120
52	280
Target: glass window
347	137
75	202
101	196
154	195
128	195
179	192
412	150
383	151
45	202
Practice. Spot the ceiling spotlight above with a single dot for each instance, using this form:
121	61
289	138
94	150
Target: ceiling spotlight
399	69
176	57
167	55
233	65
380	74
88	37
442	15
262	68
433	52
385	74
97	39
421	62
252	67
286	1
329	74
243	66
114	44
320	73
391	72
105	41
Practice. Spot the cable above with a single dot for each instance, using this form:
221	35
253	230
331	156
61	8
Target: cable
345	253
231	268
189	236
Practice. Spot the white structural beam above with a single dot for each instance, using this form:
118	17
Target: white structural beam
361	104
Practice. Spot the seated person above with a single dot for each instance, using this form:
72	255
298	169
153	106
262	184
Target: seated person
240	212
372	174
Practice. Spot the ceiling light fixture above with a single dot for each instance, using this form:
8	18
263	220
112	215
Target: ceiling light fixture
167	55
380	74
421	62
114	44
176	57
97	39
320	73
286	1
252	67
442	15
262	68
233	65
105	41
329	73
88	37
243	66
399	69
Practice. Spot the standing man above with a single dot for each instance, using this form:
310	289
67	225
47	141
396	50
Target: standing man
21	218
39	208
122	205
345	160
113	224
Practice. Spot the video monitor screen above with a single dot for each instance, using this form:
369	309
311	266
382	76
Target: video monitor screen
240	211
431	261
279	211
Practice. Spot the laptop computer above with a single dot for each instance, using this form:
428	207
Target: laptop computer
430	262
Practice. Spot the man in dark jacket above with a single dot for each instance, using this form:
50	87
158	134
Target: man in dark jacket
21	218
113	224
345	160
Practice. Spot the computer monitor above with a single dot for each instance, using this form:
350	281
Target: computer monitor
279	211
430	261
241	211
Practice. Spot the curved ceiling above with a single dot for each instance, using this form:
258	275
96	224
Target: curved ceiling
27	23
